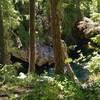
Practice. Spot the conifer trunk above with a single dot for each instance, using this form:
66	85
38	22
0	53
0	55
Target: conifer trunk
4	55
2	44
98	6
56	35
32	37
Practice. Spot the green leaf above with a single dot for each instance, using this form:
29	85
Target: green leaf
68	60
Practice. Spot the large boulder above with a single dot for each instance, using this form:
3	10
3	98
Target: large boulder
44	54
88	27
82	30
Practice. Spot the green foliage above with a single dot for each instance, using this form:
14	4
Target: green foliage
61	88
68	60
94	64
24	35
88	7
83	58
44	87
96	34
96	89
11	18
95	17
16	1
42	21
93	6
71	15
54	88
93	90
10	21
85	7
96	39
8	72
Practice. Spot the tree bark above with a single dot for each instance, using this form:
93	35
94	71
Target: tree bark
32	37
55	28
4	37
2	44
98	6
69	70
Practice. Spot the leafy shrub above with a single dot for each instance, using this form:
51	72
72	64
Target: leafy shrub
53	88
94	64
96	33
95	17
60	88
93	92
45	87
96	39
9	72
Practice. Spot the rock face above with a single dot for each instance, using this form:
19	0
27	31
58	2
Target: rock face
44	54
82	30
88	27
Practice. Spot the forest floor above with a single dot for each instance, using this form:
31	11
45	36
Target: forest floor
9	90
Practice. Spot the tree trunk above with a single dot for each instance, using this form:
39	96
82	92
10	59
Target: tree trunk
69	70
98	6
32	37
2	44
4	55
55	28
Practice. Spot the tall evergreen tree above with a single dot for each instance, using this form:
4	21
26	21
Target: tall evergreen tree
32	37
55	28
8	20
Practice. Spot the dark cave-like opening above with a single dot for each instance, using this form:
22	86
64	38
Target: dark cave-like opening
38	69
